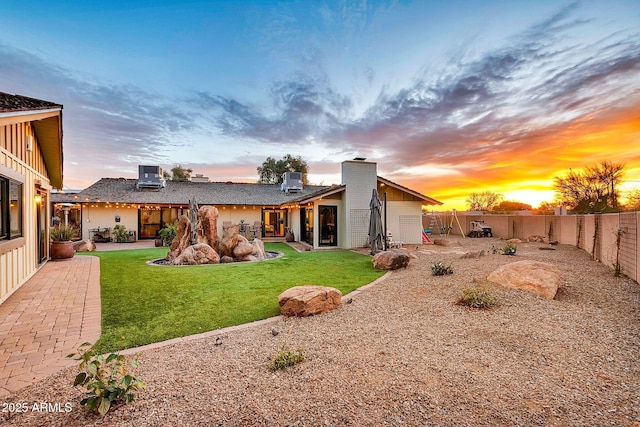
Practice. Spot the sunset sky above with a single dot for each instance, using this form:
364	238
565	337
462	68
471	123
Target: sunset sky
448	97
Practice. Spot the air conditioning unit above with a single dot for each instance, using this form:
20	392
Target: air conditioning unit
150	177
291	182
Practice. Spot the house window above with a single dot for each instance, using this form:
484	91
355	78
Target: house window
10	208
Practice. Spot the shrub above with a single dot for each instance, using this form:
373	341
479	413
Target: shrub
509	249
168	233
62	233
120	233
439	269
285	358
477	296
106	380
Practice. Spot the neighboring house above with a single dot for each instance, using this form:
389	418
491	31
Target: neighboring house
30	166
323	216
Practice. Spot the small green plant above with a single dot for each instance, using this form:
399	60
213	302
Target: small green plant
509	249
439	269
62	233
120	233
106	379
168	233
285	358
477	296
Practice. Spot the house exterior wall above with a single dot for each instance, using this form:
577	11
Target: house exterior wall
19	258
104	217
249	214
404	221
360	178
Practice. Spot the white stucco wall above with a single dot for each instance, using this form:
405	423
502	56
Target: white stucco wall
103	217
404	221
360	178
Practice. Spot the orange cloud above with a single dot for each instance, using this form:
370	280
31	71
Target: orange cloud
525	171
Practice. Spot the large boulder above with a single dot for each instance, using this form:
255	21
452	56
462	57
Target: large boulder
308	300
182	239
258	250
533	276
391	260
229	240
242	249
208	225
197	254
443	242
84	246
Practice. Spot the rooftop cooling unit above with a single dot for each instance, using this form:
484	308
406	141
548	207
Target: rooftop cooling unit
291	182
150	177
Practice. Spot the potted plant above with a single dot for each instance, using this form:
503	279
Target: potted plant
61	242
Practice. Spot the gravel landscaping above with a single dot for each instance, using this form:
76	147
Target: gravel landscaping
402	353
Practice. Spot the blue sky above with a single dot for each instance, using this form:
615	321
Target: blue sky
448	97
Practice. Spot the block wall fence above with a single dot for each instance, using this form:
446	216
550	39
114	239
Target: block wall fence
597	234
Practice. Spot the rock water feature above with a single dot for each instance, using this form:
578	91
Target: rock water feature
197	241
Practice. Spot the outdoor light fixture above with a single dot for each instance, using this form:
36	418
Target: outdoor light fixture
37	198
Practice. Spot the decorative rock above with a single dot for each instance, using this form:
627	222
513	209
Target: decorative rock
208	225
182	239
391	260
533	276
275	331
473	254
218	341
84	246
227	260
242	249
197	254
258	250
229	240
535	239
302	301
442	242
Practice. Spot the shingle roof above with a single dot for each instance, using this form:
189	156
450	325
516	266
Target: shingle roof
10	102
121	190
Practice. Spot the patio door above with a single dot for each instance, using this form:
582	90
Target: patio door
328	225
274	221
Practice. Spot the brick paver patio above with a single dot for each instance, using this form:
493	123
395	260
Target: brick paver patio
46	319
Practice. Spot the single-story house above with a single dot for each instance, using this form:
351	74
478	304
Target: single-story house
30	166
322	216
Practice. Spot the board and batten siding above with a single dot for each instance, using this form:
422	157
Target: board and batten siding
19	257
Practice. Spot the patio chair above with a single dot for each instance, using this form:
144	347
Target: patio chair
256	230
392	243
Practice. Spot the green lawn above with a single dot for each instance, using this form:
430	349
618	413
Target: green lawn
142	304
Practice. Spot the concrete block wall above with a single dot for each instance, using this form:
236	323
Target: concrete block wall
595	234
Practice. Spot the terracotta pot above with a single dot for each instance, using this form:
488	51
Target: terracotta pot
62	250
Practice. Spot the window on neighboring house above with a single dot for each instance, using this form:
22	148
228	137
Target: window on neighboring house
10	208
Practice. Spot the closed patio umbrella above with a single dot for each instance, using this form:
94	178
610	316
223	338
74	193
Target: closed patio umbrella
375	223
